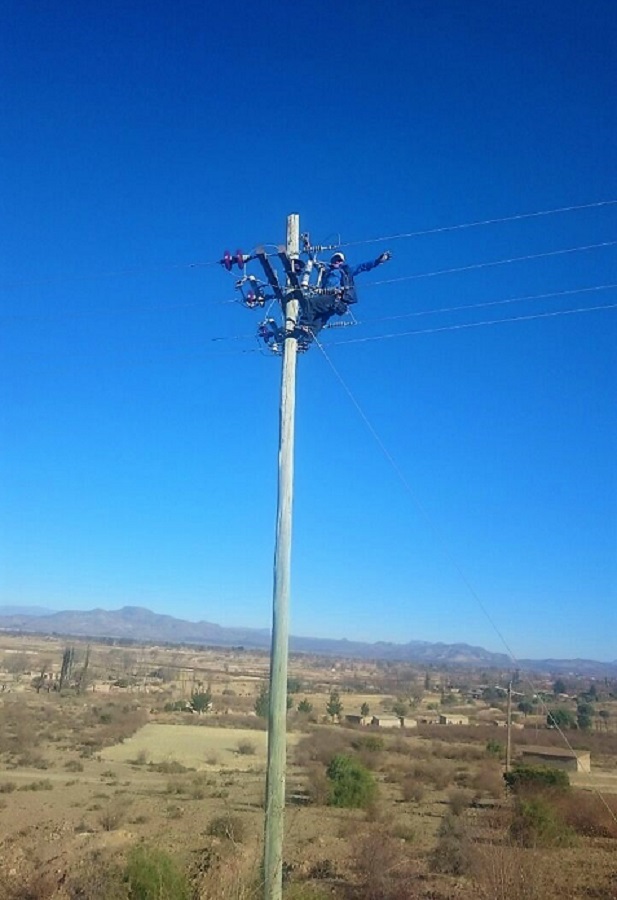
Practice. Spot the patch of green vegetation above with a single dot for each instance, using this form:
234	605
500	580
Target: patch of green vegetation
536	778
152	874
351	783
537	823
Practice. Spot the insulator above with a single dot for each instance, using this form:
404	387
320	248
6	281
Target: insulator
306	275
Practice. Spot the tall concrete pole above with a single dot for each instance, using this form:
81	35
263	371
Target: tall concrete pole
509	730
277	715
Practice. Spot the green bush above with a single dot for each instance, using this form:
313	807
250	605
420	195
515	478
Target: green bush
536	778
494	748
537	823
153	875
373	743
351	784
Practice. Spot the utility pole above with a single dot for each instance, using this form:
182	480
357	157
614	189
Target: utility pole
277	712
509	729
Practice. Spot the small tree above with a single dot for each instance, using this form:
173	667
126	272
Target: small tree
201	700
400	708
559	687
351	784
83	677
560	718
494	748
584	716
364	709
334	707
262	703
526	707
304	706
68	658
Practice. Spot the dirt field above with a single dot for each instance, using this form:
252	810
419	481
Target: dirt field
194	746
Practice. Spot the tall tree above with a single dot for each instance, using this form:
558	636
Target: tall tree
334	707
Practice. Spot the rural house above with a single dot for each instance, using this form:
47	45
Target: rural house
570	760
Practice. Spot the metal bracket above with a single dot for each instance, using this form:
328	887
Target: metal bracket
270	275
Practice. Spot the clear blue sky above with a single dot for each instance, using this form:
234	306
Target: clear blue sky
138	454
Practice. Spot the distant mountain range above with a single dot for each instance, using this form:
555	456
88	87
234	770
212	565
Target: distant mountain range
138	624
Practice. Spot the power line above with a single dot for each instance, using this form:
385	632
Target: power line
200	264
114	273
360	340
162	307
467	325
497	221
496	262
467	306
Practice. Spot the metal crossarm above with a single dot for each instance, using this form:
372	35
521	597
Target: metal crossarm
270	275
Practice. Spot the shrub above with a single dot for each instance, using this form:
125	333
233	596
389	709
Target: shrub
43	785
452	854
588	814
384	872
323	868
175	786
372	743
504	873
153	875
537	823
438	773
318	785
488	780
351	784
536	778
234	875
229	827
321	745
247	748
74	765
113	815
458	802
412	790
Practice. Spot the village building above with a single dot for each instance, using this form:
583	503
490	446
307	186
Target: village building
387	721
453	720
357	719
556	758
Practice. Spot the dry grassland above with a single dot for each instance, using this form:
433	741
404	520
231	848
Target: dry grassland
102	770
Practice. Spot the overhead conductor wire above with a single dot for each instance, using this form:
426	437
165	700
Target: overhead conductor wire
417	275
465	325
498	221
496	262
445	547
136	270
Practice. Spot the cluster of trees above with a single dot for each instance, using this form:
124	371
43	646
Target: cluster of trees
74	673
583	718
334	706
